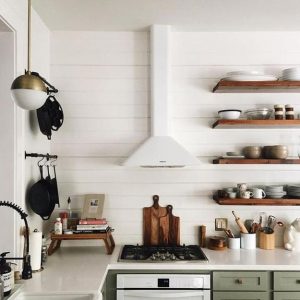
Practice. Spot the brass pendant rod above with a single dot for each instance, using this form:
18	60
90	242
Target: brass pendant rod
29	38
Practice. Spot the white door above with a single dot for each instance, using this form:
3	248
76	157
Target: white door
163	294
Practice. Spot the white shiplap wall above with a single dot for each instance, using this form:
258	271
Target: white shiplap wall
103	79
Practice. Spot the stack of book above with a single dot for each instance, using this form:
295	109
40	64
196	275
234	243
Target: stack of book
92	226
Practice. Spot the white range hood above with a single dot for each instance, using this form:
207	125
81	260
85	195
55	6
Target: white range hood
160	150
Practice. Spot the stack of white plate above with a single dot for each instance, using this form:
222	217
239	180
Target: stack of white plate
275	191
249	76
292	74
294	191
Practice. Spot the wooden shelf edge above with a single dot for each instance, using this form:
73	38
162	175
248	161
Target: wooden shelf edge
256	123
265	161
261	202
227	86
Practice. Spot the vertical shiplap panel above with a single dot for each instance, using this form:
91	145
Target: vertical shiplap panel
104	89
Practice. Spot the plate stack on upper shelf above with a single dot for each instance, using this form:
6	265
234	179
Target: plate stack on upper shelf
249	76
293	191
291	74
275	191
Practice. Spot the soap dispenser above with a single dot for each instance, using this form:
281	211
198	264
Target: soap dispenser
6	274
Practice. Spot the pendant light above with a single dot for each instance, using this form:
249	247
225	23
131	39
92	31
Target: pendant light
29	90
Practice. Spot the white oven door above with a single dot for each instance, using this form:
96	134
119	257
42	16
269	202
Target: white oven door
163	294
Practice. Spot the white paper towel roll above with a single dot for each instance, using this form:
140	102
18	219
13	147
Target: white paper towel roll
35	250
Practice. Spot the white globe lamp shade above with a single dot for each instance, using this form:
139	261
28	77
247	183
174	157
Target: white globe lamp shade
29	92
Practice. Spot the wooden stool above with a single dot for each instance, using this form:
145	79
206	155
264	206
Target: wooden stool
107	237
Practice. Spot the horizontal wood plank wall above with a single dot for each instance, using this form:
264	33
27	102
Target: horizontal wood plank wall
103	78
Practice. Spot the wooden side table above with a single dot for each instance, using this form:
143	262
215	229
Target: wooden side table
107	237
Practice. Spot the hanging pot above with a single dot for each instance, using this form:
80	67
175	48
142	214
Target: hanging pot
39	197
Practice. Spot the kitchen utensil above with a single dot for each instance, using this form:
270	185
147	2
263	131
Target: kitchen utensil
275	152
246	195
248	241
217	243
232	153
232	195
252	152
250	78
248	224
174	227
241	187
271	222
239	222
229	114
228	233
279	152
258	193
151	217
163	233
202	236
234	243
258	113
254	227
266	240
50	116
39	197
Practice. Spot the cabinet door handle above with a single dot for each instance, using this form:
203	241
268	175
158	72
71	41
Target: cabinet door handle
298	281
239	281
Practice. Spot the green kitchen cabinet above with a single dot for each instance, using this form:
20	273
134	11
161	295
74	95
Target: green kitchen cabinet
286	296
241	296
241	281
287	281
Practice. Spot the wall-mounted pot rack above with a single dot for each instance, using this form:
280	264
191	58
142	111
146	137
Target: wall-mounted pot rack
48	156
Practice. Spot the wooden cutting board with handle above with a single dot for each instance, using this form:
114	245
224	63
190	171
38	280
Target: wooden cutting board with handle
151	217
169	228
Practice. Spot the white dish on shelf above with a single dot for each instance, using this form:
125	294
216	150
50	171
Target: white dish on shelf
245	73
251	78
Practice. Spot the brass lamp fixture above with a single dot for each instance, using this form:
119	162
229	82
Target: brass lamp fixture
29	90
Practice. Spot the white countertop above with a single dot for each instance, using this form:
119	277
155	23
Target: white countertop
83	269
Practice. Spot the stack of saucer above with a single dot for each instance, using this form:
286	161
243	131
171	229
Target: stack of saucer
293	191
292	74
249	76
275	191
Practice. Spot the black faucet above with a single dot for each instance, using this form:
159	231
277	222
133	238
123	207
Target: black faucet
27	271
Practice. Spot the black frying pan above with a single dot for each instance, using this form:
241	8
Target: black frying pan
39	197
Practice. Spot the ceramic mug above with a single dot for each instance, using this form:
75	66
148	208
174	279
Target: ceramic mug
232	195
241	187
246	194
258	193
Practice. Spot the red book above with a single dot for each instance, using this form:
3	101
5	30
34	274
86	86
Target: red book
92	222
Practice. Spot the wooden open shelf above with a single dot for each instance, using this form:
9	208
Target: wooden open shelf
274	202
278	86
242	124
107	237
246	161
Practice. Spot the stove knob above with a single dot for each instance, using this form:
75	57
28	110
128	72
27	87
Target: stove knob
168	254
173	257
162	257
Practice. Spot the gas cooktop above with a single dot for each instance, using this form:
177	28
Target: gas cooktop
137	253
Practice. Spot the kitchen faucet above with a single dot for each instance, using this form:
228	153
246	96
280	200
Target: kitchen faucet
27	271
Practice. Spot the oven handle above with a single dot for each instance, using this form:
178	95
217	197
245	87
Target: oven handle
166	294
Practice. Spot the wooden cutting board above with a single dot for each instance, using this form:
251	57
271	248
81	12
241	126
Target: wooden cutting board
169	228
151	217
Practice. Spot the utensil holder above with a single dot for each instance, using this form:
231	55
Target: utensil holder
248	240
266	240
234	243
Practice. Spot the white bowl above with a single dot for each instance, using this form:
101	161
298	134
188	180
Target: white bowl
229	114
